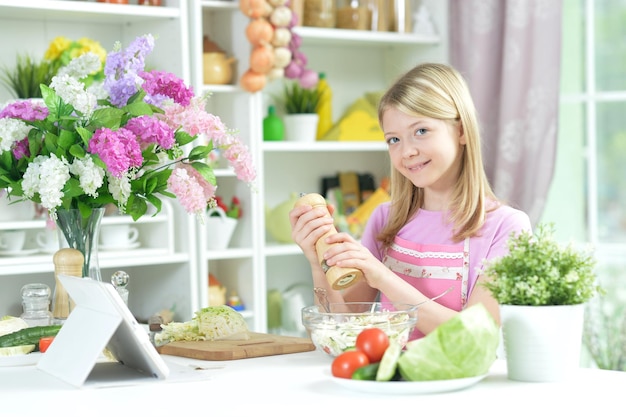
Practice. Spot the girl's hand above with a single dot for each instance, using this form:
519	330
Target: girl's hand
346	252
308	224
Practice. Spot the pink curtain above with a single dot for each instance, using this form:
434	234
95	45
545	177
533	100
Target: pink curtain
510	53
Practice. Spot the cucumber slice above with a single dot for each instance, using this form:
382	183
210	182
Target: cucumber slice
16	350
389	362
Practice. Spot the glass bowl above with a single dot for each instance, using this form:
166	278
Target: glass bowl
335	331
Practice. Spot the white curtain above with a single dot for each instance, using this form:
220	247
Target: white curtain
510	53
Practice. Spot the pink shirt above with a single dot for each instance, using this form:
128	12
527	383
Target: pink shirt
429	228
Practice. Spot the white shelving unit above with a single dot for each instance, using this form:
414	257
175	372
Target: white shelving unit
355	62
163	269
173	271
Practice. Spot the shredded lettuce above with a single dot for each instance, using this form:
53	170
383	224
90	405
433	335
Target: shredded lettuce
10	324
209	323
335	337
464	346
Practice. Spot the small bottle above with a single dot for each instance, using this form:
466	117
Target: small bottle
36	303
120	280
324	107
273	128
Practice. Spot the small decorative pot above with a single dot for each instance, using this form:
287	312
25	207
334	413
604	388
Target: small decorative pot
301	127
217	68
220	229
542	343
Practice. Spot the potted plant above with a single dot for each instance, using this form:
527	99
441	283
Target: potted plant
300	106
24	81
221	222
542	287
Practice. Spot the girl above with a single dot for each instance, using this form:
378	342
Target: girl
443	219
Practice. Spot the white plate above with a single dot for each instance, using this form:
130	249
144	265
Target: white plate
21	252
20	360
113	248
407	387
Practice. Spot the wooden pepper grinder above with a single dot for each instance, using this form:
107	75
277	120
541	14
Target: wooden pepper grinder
338	277
67	261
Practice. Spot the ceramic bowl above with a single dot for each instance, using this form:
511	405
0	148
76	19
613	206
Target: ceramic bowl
335	331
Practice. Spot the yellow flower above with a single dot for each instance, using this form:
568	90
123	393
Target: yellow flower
57	47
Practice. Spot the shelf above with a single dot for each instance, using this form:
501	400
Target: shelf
281	249
343	37
82	11
234	253
42	262
324	146
220	5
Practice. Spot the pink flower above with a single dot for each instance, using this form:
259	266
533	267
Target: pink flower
150	130
26	110
240	159
21	149
117	149
191	189
194	119
161	85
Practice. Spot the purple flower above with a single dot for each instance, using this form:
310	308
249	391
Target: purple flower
119	150
122	68
161	85
151	130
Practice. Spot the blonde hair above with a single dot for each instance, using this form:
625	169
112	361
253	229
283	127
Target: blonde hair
438	91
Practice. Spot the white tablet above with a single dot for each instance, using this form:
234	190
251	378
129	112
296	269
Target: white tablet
100	320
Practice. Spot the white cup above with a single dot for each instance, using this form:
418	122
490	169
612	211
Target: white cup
118	235
48	240
12	240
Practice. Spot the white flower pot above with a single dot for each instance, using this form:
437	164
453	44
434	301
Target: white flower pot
220	229
543	343
301	127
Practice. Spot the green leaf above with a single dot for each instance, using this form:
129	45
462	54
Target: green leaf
199	153
84	134
77	151
156	202
139	108
66	139
183	138
109	117
205	171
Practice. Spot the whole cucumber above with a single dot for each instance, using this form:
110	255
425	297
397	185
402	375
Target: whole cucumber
29	335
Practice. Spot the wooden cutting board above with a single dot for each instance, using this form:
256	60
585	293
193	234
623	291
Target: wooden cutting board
259	344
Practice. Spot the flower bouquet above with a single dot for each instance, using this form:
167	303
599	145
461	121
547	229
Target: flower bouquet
146	138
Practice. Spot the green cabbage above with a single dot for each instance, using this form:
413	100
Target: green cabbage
464	346
209	323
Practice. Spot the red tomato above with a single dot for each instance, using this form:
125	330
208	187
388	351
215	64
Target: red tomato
44	343
345	364
373	342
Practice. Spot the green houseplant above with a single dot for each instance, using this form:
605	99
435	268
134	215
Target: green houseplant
300	100
299	105
24	80
542	287
538	271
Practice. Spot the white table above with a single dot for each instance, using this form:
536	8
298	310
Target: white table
300	385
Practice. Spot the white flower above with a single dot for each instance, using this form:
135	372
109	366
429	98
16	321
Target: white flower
72	91
120	190
82	66
11	131
46	175
90	175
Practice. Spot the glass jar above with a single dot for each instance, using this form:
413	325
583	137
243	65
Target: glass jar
319	13
36	303
354	14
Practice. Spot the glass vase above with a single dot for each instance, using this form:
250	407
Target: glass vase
82	233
